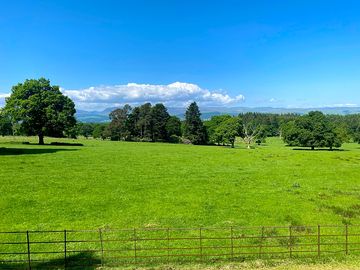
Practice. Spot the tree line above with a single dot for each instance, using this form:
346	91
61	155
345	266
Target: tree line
149	123
35	107
153	123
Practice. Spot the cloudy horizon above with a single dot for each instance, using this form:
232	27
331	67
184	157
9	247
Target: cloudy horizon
175	95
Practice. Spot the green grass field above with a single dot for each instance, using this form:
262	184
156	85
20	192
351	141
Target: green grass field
124	184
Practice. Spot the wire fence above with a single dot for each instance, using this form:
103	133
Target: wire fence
148	246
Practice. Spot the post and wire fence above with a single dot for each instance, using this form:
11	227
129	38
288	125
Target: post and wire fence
152	246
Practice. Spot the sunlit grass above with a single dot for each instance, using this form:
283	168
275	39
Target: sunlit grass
124	184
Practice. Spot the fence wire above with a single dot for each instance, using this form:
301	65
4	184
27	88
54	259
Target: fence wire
149	246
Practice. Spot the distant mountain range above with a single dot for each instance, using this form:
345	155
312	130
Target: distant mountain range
208	112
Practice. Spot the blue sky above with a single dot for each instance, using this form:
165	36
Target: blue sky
221	53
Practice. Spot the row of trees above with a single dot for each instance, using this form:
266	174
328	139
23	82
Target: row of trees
224	129
35	107
143	123
149	123
314	130
153	123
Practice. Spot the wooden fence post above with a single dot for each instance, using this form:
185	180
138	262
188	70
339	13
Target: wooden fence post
102	247
28	249
65	256
318	241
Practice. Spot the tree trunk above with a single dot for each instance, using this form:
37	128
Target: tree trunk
248	147
232	144
312	147
41	139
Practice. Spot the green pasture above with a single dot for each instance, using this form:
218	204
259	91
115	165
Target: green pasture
126	184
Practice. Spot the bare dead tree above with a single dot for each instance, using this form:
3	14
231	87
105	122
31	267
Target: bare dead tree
251	133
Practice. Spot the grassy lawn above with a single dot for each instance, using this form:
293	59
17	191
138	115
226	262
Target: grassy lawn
350	264
125	184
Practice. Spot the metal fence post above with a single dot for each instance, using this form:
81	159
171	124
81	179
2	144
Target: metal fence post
135	254
290	241
346	239
321	241
261	242
232	244
201	250
168	244
28	249
102	247
65	255
318	241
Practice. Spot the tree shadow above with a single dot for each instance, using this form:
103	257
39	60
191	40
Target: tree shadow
66	144
320	149
46	144
82	260
30	151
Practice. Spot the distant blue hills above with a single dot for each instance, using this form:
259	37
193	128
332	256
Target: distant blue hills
208	112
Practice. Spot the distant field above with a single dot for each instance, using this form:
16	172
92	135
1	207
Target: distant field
124	184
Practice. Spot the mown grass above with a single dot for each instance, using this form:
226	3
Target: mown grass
351	264
125	184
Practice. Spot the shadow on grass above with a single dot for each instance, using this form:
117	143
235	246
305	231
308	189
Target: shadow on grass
320	149
66	144
83	260
30	151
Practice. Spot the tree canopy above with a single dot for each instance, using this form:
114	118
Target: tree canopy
228	130
313	130
40	108
5	124
194	129
143	123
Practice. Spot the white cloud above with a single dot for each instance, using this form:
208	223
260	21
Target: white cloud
343	105
2	99
175	94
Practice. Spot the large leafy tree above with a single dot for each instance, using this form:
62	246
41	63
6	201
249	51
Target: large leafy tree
211	126
99	131
313	130
159	118
85	129
173	126
194	129
227	130
144	122
5	124
118	127
41	109
356	136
